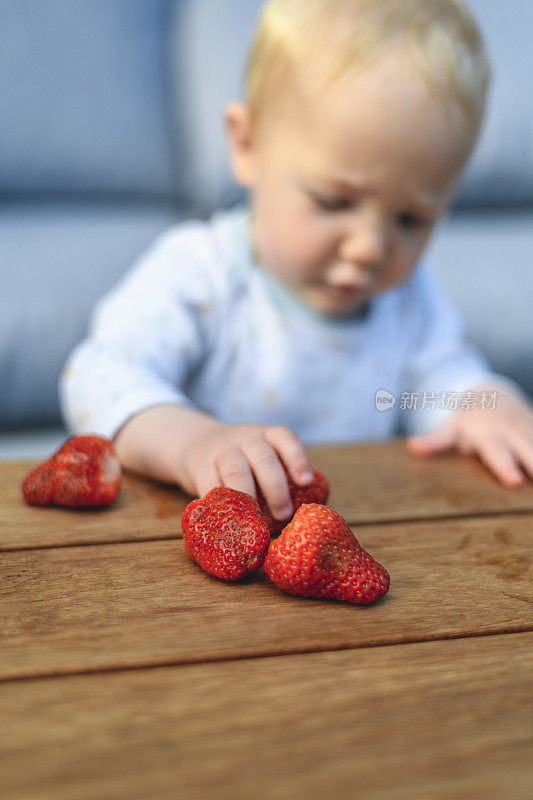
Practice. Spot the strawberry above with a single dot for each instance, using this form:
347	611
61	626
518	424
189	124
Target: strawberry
225	533
84	472
317	555
315	492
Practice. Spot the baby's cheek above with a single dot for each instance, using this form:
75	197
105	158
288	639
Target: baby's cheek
294	255
304	257
396	272
309	254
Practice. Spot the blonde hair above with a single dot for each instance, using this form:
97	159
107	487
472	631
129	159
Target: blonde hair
439	37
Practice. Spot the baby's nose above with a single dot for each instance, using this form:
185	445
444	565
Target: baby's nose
365	247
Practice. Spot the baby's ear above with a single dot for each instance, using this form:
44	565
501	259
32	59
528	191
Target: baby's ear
242	152
237	119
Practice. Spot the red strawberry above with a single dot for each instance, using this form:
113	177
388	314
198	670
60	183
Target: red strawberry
84	472
315	492
225	533
317	555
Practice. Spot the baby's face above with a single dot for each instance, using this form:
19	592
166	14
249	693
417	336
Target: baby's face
346	190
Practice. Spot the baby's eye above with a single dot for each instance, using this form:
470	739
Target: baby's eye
412	221
330	203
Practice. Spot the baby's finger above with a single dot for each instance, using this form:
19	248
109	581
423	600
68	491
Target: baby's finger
235	470
499	459
523	450
270	476
207	479
292	453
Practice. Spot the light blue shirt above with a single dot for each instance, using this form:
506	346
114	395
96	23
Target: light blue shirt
197	321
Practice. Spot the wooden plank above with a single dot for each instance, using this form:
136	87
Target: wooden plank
146	603
381	481
370	483
144	510
442	720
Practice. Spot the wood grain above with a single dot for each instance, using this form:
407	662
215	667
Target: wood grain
370	483
146	603
442	720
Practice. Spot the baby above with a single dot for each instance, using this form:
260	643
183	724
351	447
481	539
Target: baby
235	342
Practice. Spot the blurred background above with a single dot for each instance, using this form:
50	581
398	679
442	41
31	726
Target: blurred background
112	129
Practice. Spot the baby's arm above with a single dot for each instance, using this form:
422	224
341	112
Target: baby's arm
126	380
443	362
502	437
182	445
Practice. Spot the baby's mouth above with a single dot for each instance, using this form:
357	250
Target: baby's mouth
347	290
344	281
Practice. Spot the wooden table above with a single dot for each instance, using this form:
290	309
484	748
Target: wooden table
127	672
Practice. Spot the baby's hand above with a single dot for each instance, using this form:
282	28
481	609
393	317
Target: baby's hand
502	437
231	455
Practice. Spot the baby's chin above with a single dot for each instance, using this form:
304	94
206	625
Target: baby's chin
338	305
357	312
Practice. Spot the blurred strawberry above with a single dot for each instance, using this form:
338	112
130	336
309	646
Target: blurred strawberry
85	472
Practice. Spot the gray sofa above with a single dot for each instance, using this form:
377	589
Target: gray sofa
112	130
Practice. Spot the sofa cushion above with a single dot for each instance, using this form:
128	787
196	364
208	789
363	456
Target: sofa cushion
483	260
501	169
210	45
31	444
56	262
82	97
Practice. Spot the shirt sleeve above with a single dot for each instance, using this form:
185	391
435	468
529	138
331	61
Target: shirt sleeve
442	365
146	335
